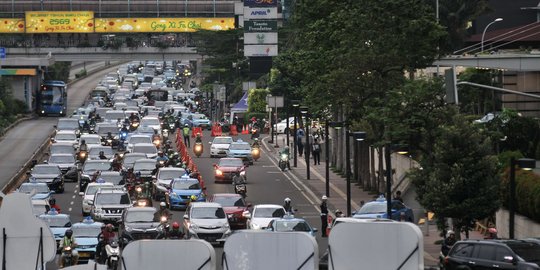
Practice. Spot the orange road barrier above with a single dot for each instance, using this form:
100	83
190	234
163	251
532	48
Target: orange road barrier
195	131
329	227
233	131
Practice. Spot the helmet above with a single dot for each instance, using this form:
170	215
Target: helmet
450	232
160	153
109	133
287	200
52	201
101	153
162	204
69	232
324	197
338	212
186	125
193	197
83	141
492	230
110	227
175	226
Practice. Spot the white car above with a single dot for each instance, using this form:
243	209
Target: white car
151	121
88	196
149	149
66	136
262	214
40	207
281	127
206	221
164	178
90	140
133	139
220	146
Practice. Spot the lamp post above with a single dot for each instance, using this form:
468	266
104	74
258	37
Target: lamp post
304	112
295	104
525	164
484	33
388	151
358	136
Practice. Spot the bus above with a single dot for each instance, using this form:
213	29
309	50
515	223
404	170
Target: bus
52	98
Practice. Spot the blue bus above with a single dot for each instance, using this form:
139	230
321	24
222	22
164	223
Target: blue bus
52	98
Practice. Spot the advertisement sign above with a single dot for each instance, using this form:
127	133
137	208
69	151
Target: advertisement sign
155	25
60	22
260	13
260	50
260	3
260	26
11	26
260	38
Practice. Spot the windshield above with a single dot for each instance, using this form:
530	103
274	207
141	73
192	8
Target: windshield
186	184
61	149
94	151
222	141
91	140
27	188
140	216
67	124
207	213
141	166
97	166
146	149
199	116
230	201
150	122
131	159
86	231
62	159
159	95
51	94
106	129
269	212
46	170
112	178
240	146
290	226
231	163
112	198
169	175
66	137
114	115
373	208
56	221
529	252
140	139
91	190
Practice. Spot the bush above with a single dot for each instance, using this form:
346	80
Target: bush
527	193
81	73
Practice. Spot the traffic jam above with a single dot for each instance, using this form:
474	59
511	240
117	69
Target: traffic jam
130	154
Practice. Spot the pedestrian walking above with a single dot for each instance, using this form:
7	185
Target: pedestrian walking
316	152
324	216
185	132
300	140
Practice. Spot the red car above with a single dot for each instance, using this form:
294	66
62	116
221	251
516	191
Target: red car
226	167
235	208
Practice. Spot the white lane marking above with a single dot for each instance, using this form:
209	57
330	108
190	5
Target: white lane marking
268	166
75	191
76	186
71	203
70	209
73	197
273	172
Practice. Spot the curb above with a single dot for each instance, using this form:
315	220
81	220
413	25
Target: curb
12	125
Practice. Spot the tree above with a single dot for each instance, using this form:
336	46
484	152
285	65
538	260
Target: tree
257	100
476	100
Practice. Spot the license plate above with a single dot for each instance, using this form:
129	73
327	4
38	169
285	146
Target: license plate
84	254
114	258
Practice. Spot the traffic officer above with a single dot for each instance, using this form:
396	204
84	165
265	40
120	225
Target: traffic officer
324	215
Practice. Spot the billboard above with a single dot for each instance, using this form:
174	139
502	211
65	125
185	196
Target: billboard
260	38
158	25
260	13
260	50
11	26
260	3
59	22
260	26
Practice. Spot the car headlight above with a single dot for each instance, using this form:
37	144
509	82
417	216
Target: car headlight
243	173
193	226
226	226
219	172
98	210
255	226
129	229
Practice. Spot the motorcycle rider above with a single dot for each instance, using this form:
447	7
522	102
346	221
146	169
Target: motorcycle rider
162	157
448	242
256	143
175	232
175	159
83	146
162	212
52	203
109	137
68	240
106	236
156	136
288	206
198	138
116	164
285	151
133	118
102	155
238	180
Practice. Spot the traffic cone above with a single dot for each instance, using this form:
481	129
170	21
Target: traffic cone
245	130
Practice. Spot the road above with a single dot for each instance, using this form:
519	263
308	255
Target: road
266	183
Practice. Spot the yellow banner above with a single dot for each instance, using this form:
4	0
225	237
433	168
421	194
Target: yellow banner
60	22
11	26
153	25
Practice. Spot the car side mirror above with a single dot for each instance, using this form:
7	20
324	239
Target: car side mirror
81	193
90	202
186	216
510	259
209	142
246	214
315	230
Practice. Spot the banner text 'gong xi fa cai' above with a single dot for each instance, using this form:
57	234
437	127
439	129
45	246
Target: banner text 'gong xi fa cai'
153	25
59	22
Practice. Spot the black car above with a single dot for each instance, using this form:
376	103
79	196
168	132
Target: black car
50	174
494	254
139	223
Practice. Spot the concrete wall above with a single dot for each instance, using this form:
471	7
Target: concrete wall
524	227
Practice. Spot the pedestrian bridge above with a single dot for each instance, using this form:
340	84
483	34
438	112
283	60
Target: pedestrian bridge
505	61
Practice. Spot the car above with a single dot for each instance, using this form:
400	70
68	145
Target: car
139	223
103	129
219	146
62	148
291	224
88	170
164	178
68	124
487	118
40	207
89	194
129	159
86	234
201	120
109	204
281	127
235	207
67	164
41	190
262	214
93	152
90	140
114	177
242	150
149	149
151	121
226	167
206	221
493	254
181	191
378	208
136	138
145	167
49	174
58	223
65	136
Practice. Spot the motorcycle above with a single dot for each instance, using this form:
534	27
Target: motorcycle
256	153
198	149
163	227
134	125
157	142
113	255
67	256
283	161
240	189
254	133
82	155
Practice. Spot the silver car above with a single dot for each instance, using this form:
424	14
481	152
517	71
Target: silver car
207	221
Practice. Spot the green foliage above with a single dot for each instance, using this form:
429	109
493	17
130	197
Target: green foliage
9	106
527	192
81	73
476	100
257	100
58	71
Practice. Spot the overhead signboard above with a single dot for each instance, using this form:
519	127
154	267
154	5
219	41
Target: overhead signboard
260	3
251	13
260	50
260	38
260	26
11	26
149	25
59	22
18	72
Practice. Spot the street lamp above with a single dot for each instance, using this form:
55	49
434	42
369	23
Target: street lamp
525	164
388	149
337	126
304	112
358	136
295	104
484	33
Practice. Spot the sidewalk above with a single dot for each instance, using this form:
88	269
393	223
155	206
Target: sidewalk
338	200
